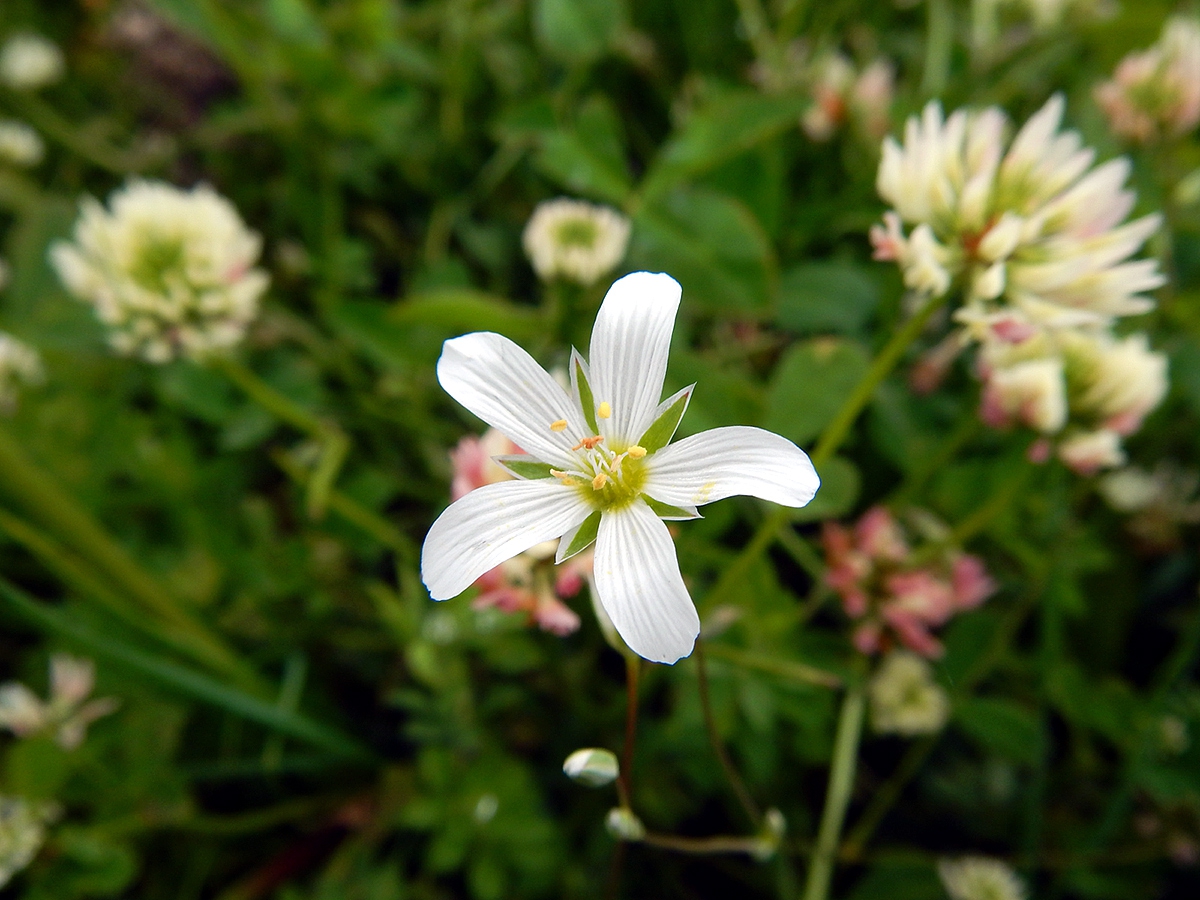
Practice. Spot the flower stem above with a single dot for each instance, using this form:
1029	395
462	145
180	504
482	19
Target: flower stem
714	738
633	669
827	445
939	43
837	799
334	443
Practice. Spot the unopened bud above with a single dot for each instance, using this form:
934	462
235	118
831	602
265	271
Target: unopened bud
767	842
592	767
624	825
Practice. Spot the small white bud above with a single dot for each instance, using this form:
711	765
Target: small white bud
592	767
624	825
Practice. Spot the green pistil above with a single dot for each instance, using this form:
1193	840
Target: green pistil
577	233
620	488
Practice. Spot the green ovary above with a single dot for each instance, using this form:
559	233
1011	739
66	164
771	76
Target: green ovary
622	486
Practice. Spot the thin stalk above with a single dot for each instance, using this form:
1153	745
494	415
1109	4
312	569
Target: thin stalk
89	147
783	668
885	798
721	843
633	669
831	439
59	512
837	799
334	443
753	813
939	43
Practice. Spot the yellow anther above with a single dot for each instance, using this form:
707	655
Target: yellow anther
564	477
560	425
599	481
588	443
604	410
635	452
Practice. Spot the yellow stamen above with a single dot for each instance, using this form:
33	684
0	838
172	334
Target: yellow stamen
560	425
636	452
599	481
588	443
564	477
604	410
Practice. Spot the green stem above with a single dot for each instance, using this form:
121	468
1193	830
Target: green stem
939	43
783	668
831	439
841	783
633	669
61	514
334	443
714	739
86	146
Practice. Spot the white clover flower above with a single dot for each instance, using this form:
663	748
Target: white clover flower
29	62
1087	452
22	833
841	94
1156	92
1114	382
904	697
170	271
20	145
20	366
575	240
599	466
68	713
979	878
1034	227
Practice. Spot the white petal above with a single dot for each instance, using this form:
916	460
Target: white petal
628	356
491	524
503	385
724	462
639	585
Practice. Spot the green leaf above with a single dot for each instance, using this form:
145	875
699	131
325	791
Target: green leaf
587	400
826	296
577	32
1001	727
590	158
662	429
812	382
583	536
36	768
734	122
712	245
524	466
840	486
180	679
667	511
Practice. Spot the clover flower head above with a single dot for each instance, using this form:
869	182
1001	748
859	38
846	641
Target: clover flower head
979	878
20	366
891	598
575	240
22	833
29	62
20	145
1028	225
904	697
67	713
841	95
169	271
599	466
1158	502
1155	93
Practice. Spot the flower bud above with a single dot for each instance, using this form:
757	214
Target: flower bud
592	767
623	825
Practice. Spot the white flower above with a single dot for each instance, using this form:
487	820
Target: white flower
1035	227
979	878
1087	452
599	466
592	767
575	240
904	697
22	833
169	271
66	713
20	145
20	366
29	62
1114	382
1156	92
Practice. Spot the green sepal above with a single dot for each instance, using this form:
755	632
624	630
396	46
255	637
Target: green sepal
580	539
583	390
667	511
662	429
523	466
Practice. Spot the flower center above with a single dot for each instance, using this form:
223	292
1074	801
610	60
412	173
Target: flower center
605	478
577	233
